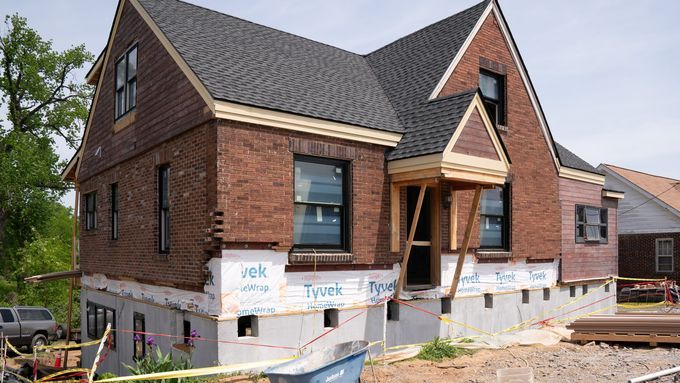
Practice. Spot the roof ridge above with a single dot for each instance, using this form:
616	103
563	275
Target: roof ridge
426	27
641	172
266	26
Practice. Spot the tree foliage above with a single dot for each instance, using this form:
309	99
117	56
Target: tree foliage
44	104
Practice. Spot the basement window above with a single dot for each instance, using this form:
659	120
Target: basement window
525	296
247	326
98	317
606	288
488	301
591	224
392	311
330	318
446	305
139	343
546	294
584	289
572	291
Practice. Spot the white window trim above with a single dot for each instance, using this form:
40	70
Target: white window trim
671	255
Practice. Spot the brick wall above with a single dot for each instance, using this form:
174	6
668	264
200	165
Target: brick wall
535	204
255	187
637	255
167	102
135	253
586	260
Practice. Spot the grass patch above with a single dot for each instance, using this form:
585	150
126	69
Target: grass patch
438	350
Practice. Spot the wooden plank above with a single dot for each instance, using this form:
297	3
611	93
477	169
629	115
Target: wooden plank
72	282
466	239
453	221
422	243
395	207
435	231
416	175
640	338
409	242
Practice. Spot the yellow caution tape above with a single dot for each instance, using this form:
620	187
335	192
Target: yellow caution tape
635	305
571	319
451	321
68	346
14	349
199	371
64	372
640	279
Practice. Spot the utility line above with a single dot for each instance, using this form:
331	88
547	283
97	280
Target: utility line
673	185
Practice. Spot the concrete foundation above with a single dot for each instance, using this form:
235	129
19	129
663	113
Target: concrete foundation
406	326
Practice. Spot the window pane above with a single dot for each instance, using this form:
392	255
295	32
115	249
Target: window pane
603	232
132	94
489	86
664	247
581	231
593	232
120	74
91	329
318	225
165	187
132	64
492	202
491	231
580	214
120	102
592	216
100	321
7	316
665	263
604	216
316	182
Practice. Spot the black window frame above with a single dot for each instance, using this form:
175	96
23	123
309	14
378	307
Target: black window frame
603	225
507	220
345	207
164	209
90	211
127	85
135	317
114	210
500	115
92	328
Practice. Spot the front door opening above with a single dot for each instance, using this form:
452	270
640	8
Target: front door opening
419	270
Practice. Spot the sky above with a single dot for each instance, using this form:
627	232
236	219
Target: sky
606	72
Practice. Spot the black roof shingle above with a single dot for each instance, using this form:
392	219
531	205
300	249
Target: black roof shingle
571	160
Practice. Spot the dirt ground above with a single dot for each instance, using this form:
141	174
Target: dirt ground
565	362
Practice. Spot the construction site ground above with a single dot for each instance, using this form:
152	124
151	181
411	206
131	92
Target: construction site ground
564	362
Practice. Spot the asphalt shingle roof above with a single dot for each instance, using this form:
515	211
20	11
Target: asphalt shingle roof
248	63
571	160
430	126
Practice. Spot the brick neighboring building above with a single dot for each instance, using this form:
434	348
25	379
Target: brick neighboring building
649	223
234	177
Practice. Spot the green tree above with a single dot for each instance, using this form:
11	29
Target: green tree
43	102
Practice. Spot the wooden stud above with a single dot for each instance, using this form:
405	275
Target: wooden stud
466	240
395	206
409	242
72	282
435	231
453	221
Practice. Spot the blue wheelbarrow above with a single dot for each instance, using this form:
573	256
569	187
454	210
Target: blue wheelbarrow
341	363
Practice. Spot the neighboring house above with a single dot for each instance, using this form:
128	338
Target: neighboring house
263	188
649	223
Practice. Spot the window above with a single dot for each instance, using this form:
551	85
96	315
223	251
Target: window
91	211
392	311
572	291
492	86
546	294
488	301
7	316
114	211
525	296
126	82
321	204
446	305
164	209
186	328
664	255
34	314
494	218
591	224
247	325
331	318
139	327
97	318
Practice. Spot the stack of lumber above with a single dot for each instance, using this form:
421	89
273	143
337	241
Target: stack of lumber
652	328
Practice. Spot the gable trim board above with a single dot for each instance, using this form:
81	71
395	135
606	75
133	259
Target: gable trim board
494	9
613	194
640	190
459	166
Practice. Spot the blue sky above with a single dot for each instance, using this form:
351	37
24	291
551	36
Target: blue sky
606	72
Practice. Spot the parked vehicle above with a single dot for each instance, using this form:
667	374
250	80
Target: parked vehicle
28	326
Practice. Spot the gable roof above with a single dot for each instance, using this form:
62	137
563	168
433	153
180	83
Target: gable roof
247	63
664	189
571	160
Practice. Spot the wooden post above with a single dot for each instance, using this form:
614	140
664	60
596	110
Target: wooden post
74	250
466	240
409	242
453	221
395	206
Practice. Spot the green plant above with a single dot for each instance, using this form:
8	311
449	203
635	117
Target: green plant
438	350
106	375
160	363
